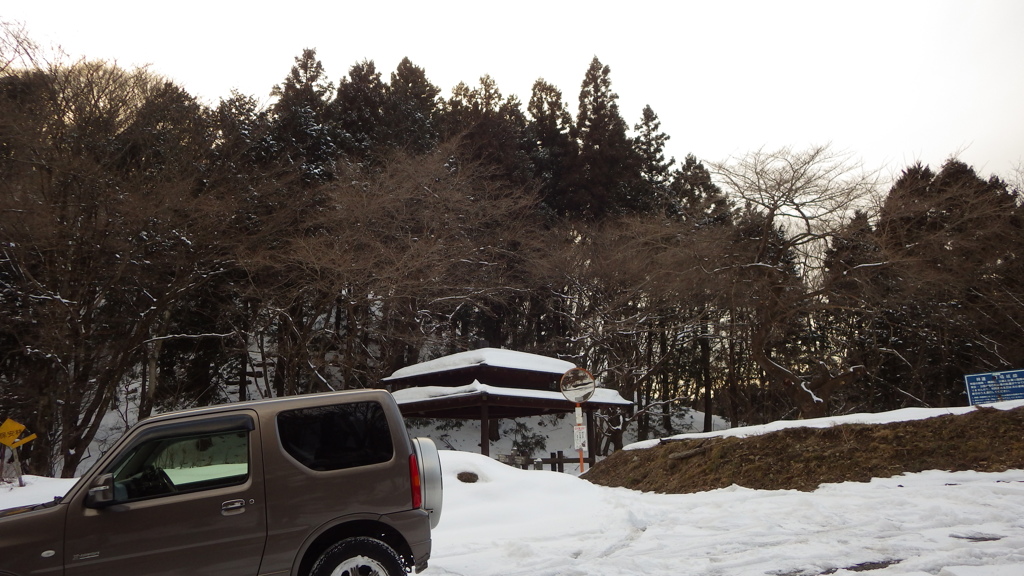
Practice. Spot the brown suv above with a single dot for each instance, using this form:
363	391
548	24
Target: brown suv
325	484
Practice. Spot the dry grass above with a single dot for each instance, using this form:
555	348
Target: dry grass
986	440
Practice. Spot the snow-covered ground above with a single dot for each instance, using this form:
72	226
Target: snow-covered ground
512	522
530	522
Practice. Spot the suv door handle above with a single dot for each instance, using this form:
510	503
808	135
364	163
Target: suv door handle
232	507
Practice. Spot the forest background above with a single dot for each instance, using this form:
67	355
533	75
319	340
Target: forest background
162	251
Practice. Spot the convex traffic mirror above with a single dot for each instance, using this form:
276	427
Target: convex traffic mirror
578	385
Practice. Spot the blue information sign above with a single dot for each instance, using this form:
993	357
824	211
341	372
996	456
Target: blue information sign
995	387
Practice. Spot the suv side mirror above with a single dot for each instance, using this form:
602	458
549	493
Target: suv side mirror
101	493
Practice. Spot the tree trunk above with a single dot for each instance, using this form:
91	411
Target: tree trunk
705	375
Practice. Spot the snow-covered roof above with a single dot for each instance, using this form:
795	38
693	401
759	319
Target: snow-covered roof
494	357
421	393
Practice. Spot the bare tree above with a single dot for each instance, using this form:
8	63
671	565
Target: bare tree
1017	178
17	50
808	194
104	230
385	265
796	202
639	294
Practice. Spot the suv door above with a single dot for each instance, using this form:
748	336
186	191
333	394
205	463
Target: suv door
188	498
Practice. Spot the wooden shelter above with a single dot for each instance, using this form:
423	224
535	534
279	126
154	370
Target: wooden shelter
489	384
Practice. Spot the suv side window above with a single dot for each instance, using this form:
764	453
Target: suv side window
336	437
182	463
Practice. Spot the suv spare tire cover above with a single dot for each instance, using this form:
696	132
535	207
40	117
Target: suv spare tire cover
430	478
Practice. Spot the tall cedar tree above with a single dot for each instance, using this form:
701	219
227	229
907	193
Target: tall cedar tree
605	178
655	170
359	111
553	150
490	129
412	109
695	197
301	122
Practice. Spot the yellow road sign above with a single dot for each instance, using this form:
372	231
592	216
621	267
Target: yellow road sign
9	432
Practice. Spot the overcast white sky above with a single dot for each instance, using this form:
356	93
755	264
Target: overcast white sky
891	81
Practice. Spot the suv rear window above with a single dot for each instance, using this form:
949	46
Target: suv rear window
336	437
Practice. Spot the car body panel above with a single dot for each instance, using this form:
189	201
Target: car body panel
276	518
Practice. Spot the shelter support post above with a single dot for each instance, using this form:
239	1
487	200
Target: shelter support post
485	426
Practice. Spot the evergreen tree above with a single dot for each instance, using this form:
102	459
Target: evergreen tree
693	195
300	118
606	172
953	236
244	148
412	109
169	127
359	111
552	150
655	170
490	129
861	291
458	111
306	85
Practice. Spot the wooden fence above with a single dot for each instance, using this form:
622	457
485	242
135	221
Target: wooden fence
556	461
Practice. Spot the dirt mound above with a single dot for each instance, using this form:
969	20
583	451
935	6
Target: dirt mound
986	440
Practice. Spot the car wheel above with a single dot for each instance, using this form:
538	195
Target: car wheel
359	557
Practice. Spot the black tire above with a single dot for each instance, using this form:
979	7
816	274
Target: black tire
359	557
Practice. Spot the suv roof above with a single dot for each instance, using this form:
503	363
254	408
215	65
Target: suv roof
274	404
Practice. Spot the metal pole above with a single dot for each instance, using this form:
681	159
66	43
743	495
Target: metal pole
579	422
592	443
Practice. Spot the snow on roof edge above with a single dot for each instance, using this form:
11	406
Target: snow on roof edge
421	393
495	357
